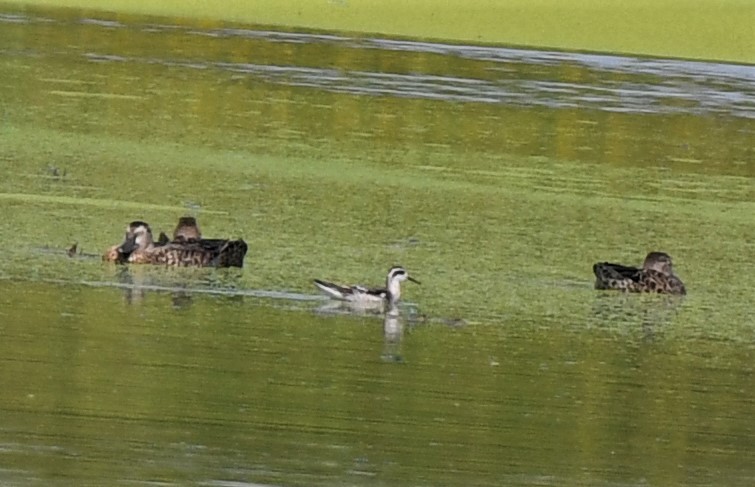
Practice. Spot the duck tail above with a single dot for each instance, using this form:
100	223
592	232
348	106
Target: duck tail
605	274
231	254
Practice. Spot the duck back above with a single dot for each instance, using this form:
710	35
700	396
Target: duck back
632	279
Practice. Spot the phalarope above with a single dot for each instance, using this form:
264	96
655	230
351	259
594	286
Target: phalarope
655	276
138	248
369	296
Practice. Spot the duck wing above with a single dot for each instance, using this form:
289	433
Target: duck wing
653	281
220	252
226	253
615	276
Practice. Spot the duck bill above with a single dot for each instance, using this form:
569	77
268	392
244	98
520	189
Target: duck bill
413	280
128	245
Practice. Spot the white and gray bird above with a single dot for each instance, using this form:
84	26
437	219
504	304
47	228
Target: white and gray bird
362	295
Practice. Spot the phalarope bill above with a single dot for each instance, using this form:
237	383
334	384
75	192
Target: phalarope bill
362	295
655	276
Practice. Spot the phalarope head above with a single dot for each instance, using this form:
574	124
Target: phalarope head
396	275
138	237
400	274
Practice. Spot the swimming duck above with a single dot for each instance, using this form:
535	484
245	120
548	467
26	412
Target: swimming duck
139	248
114	254
655	276
362	296
187	229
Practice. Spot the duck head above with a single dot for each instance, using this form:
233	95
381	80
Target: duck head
187	229
659	261
138	237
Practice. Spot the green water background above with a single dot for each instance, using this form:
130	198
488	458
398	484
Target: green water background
336	159
720	30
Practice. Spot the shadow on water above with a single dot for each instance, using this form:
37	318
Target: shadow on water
629	313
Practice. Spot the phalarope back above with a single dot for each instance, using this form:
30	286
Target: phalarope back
655	276
391	293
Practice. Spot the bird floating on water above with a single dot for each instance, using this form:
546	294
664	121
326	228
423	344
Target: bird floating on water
364	296
655	276
138	247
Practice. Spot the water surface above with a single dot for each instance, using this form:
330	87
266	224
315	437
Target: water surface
497	176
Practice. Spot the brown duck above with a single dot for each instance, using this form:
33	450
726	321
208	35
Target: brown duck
187	229
655	276
114	254
138	248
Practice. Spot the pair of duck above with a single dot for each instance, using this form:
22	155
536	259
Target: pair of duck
655	276
186	249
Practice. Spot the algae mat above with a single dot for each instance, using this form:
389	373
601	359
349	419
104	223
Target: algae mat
496	176
336	157
721	30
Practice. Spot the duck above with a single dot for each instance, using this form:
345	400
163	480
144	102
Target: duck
114	254
364	296
187	229
138	247
655	276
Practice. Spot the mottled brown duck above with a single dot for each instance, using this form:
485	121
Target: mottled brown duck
655	276
138	247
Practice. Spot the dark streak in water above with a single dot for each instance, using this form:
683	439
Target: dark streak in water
255	293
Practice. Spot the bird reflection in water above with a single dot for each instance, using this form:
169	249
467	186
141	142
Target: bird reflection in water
393	332
136	285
